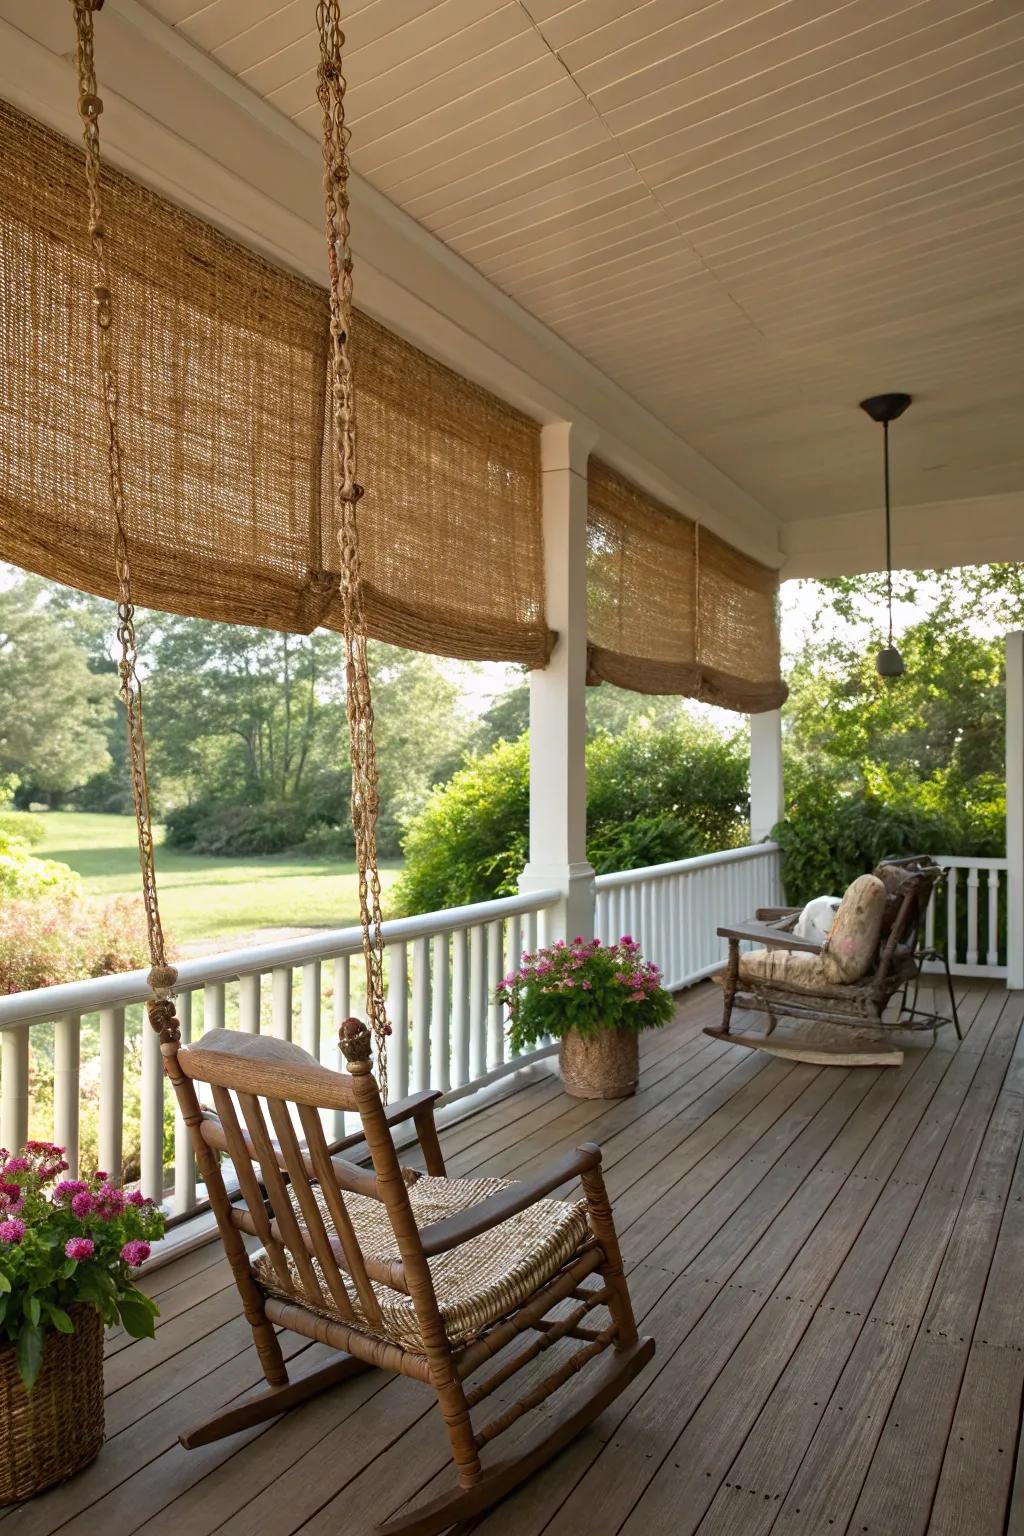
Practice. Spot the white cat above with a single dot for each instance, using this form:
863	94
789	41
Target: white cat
816	919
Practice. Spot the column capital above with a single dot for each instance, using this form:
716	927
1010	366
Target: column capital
568	445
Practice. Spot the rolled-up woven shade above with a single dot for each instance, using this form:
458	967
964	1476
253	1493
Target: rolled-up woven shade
673	609
223	364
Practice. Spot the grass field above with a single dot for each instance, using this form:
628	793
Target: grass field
203	897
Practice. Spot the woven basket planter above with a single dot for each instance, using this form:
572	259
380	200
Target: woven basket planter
601	1066
55	1430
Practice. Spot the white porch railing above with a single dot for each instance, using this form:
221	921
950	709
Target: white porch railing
968	919
442	969
674	910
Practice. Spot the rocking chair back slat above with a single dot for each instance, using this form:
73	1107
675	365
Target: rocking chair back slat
311	1217
247	1181
321	1161
277	1192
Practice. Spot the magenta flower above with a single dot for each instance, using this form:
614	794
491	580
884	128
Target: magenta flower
79	1248
17	1165
82	1204
12	1231
68	1188
137	1198
136	1252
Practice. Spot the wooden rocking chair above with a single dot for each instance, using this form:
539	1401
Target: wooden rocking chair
423	1275
765	981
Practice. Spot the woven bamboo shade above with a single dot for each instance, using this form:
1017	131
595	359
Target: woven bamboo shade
223	368
673	609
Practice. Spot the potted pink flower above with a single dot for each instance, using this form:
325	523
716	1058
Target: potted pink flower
67	1251
595	1000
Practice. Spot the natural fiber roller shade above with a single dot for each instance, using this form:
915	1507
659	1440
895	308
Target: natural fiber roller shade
222	361
673	609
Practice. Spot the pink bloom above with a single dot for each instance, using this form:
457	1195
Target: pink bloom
588	986
17	1165
68	1188
101	1178
136	1198
82	1204
79	1248
12	1231
135	1252
636	997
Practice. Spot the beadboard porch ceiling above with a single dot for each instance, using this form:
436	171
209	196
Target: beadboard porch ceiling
749	213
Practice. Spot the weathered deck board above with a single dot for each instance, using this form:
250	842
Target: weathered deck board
829	1260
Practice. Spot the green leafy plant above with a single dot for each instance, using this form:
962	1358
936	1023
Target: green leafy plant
66	1243
586	987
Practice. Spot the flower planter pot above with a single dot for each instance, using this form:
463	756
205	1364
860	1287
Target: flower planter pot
601	1066
55	1430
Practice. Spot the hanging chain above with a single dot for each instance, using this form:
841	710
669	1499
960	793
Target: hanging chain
90	106
330	93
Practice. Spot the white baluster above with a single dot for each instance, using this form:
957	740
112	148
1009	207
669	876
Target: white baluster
250	1003
184	1157
336	1124
152	1159
311	982
398	1014
14	1101
495	1011
460	1008
213	1005
111	1137
929	923
992	957
530	933
420	1014
515	957
281	1002
440	1017
951	915
66	1047
972	916
477	1002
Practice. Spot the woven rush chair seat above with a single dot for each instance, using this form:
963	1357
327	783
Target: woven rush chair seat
477	1284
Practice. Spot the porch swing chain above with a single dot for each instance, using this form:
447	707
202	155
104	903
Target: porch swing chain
347	492
162	976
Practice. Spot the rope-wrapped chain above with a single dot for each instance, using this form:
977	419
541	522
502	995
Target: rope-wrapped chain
347	492
162	976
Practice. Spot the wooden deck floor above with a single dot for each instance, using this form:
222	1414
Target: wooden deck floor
831	1263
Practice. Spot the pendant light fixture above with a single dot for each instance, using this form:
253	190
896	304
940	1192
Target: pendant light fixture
883	409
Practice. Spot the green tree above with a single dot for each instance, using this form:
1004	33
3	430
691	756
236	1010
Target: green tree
56	711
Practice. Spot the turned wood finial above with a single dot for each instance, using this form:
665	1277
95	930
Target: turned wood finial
355	1043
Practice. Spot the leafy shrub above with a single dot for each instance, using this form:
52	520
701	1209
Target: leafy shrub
23	877
332	842
218	827
653	794
21	827
833	833
55	937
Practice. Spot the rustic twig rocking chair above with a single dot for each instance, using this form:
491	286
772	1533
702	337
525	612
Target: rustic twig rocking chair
872	953
428	1276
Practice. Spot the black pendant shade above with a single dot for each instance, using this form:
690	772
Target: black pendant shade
884	409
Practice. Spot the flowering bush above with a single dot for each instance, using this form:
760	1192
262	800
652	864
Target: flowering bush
55	936
76	1241
585	987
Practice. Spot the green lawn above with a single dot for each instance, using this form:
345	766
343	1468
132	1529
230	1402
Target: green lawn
203	897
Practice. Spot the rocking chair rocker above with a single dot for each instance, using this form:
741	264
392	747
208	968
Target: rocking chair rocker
423	1275
873	952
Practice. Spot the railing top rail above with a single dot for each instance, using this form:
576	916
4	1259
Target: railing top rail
685	866
967	861
118	991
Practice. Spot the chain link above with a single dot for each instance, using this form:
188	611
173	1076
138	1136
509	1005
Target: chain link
347	492
90	106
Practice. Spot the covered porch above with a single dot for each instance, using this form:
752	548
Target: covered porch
829	1261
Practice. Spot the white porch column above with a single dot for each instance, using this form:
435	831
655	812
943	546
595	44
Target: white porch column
766	788
1015	809
558	716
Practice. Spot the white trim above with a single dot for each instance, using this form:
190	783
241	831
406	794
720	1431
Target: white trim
929	536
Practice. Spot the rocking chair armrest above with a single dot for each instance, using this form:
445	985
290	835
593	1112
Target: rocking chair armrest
772	914
452	1231
770	936
419	1108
